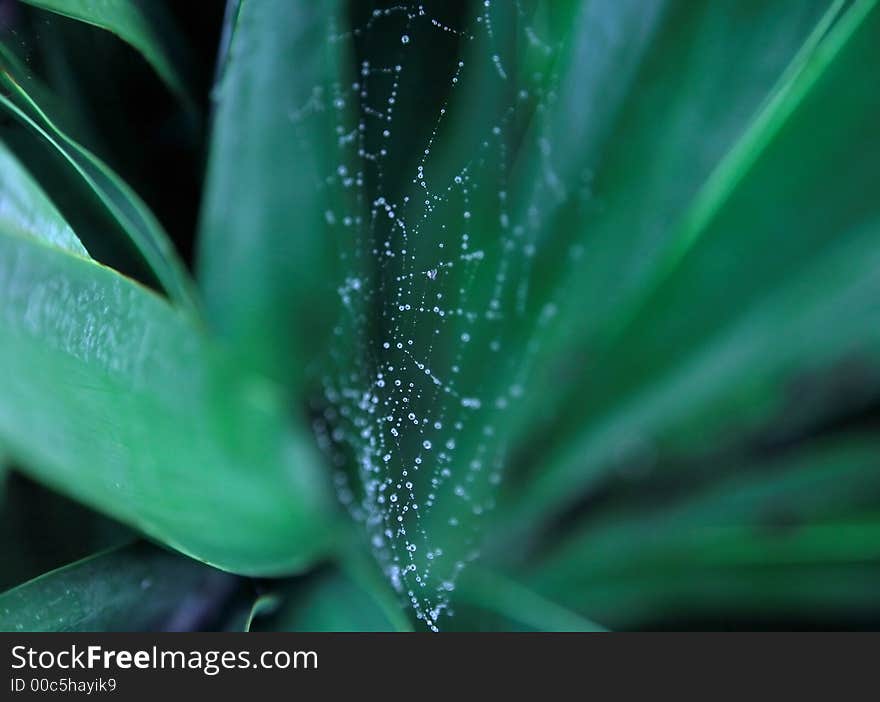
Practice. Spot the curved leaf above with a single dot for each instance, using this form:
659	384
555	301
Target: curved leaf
261	606
128	20
26	209
111	396
124	206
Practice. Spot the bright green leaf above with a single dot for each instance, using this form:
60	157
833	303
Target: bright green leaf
26	209
113	398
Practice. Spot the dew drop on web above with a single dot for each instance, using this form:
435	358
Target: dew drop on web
434	263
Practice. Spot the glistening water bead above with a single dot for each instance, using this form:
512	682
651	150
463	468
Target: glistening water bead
434	275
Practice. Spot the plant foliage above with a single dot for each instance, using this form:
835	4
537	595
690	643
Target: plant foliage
523	315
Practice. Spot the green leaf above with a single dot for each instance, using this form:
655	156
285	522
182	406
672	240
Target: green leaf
773	527
67	113
264	263
128	20
765	596
26	209
820	480
354	595
262	606
517	603
333	601
358	567
112	397
246	606
133	588
126	209
771	275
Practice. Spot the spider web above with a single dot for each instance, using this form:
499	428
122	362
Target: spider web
436	260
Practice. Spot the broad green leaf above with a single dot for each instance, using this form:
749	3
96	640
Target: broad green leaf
132	588
775	277
130	21
265	264
112	397
792	518
26	209
126	209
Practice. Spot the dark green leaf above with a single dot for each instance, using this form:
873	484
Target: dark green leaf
515	602
776	529
124	206
130	22
134	588
41	530
334	602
